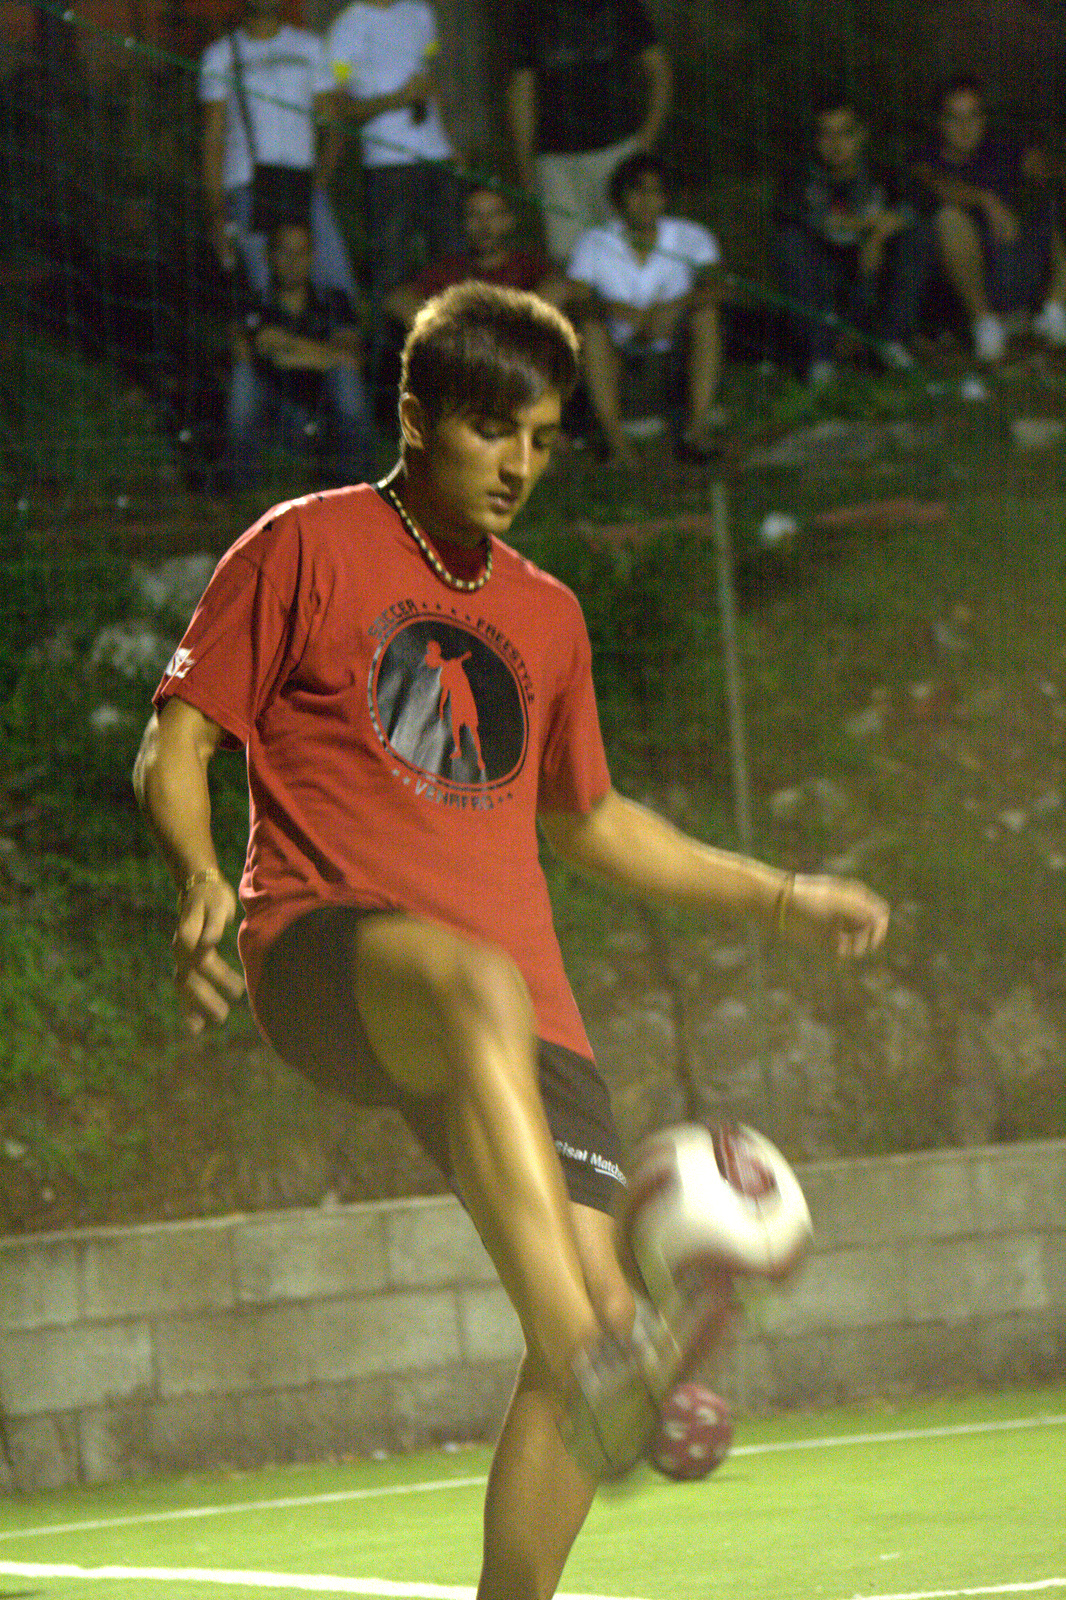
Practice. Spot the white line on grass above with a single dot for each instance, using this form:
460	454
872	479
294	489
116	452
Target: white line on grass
902	1434
950	1594
309	1582
337	1496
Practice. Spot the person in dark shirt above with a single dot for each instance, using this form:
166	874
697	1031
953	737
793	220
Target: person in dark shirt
491	256
589	85
996	237
848	242
295	374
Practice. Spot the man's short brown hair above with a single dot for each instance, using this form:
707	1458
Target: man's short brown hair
480	351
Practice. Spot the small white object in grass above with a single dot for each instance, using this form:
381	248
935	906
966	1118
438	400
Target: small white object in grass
971	388
776	528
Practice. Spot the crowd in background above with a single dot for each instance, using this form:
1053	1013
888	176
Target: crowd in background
865	254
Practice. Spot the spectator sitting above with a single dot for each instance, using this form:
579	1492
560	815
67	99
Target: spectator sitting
491	256
295	374
589	84
993	223
643	283
848	242
266	88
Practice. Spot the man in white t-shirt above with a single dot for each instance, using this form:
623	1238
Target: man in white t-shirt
382	55
287	93
644	284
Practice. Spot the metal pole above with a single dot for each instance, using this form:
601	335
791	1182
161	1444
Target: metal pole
727	611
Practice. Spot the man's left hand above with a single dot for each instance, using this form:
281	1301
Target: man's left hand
835	913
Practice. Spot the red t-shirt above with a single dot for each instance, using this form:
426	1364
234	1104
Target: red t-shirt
400	734
520	270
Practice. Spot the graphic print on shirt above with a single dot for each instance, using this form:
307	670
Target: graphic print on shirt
448	705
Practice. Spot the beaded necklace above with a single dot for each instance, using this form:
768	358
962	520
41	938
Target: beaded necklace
468	585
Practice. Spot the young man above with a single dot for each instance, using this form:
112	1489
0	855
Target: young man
397	937
490	256
383	55
643	285
267	96
590	84
848	240
295	371
996	236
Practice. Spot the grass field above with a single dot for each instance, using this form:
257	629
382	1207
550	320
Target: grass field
945	1498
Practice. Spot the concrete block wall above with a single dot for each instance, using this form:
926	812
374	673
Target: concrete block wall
303	1334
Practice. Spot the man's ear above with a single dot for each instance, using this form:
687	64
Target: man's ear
413	422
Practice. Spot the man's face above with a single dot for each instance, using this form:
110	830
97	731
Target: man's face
839	140
962	123
481	473
488	222
644	204
290	257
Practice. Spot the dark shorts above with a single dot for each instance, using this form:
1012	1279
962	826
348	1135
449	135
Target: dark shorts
306	1009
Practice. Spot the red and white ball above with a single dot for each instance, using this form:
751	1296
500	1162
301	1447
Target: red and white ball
707	1201
695	1433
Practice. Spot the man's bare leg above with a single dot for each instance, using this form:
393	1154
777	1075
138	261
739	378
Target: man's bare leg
447	1016
602	370
537	1497
704	372
963	259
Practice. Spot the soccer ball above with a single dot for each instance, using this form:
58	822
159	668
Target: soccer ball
707	1202
695	1433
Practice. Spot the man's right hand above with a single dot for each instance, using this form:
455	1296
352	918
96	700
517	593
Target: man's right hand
206	982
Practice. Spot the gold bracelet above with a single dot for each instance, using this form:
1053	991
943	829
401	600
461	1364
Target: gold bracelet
201	875
785	896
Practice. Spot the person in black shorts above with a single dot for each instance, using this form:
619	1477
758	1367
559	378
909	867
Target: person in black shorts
413	698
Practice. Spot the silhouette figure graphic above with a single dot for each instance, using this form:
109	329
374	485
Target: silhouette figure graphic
455	693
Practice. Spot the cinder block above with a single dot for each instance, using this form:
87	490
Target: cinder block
490	1329
44	1454
39	1282
453	1403
386	1333
301	1255
114	1441
1020	1188
960	1280
194	1433
257	1347
1021	1349
432	1243
148	1271
788	1372
839	1289
333	1420
882	1200
902	1359
59	1369
1054	1253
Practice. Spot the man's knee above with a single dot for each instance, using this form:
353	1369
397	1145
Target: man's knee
955	228
481	988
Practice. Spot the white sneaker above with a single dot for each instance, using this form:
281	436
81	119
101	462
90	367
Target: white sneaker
897	357
989	338
1050	324
619	1386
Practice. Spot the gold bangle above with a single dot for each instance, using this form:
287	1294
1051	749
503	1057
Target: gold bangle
785	896
201	875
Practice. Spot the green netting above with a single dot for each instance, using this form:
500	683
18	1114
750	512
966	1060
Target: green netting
890	706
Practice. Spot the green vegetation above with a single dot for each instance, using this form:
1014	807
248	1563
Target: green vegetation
905	700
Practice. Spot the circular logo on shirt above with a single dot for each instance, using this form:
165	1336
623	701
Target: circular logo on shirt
448	704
